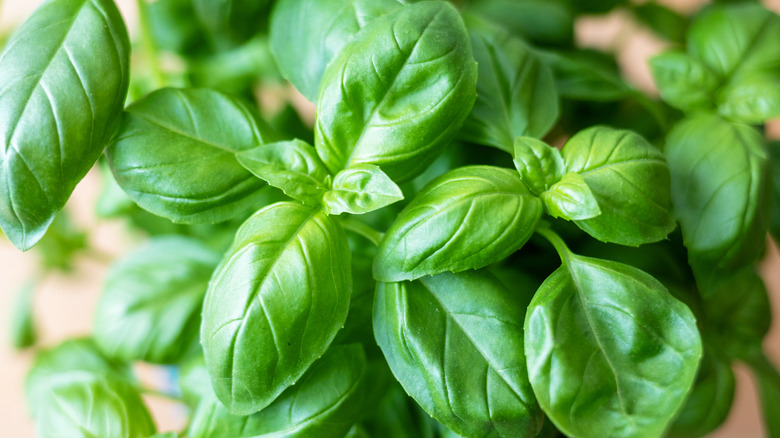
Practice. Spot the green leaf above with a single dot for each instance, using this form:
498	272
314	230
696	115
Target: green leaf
175	151
23	332
720	189
539	164
292	166
601	338
664	21
324	403
398	92
454	341
516	93
232	20
683	81
465	219
571	199
630	181
586	75
774	226
59	247
175	27
543	22
151	303
753	99
61	104
709	402
307	34
274	304
768	382
360	189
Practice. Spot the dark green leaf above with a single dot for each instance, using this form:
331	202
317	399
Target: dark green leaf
292	166
571	199
516	93
586	75
61	243
237	70
23	332
601	338
151	304
720	189
544	22
684	82
175	151
630	180
539	164
360	189
307	34
774	226
174	26
275	304
398	92
454	341
663	21
465	219
61	104
234	21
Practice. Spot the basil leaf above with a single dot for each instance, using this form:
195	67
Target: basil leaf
774	152
274	304
664	21
324	403
720	189
630	180
465	219
543	22
516	93
540	165
709	402
150	308
175	151
454	341
292	166
234	20
571	199
360	189
61	103
684	82
398	92
600	338
307	34
23	332
586	75
752	99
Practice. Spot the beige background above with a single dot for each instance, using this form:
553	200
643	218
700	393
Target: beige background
65	304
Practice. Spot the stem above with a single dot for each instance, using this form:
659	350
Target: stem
149	44
545	231
362	229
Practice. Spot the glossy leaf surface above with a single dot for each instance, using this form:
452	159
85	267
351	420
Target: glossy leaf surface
630	181
600	338
60	105
151	304
360	189
720	189
274	304
398	92
175	151
539	164
465	219
454	341
571	199
307	34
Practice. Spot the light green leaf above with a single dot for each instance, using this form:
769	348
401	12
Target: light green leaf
539	164
683	81
360	189
274	304
61	104
465	219
398	92
571	199
23	332
454	341
630	181
601	338
307	34
720	189
175	151
292	166
151	303
751	99
516	93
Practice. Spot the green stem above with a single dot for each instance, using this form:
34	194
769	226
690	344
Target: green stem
544	230
358	227
149	44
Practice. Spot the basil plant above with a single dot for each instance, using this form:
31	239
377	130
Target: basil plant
483	230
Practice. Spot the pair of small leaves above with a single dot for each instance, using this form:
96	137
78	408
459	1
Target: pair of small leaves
455	343
600	338
325	402
731	64
274	304
60	104
294	167
73	390
612	183
150	309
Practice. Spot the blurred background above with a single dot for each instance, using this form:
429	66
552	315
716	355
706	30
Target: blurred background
65	299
